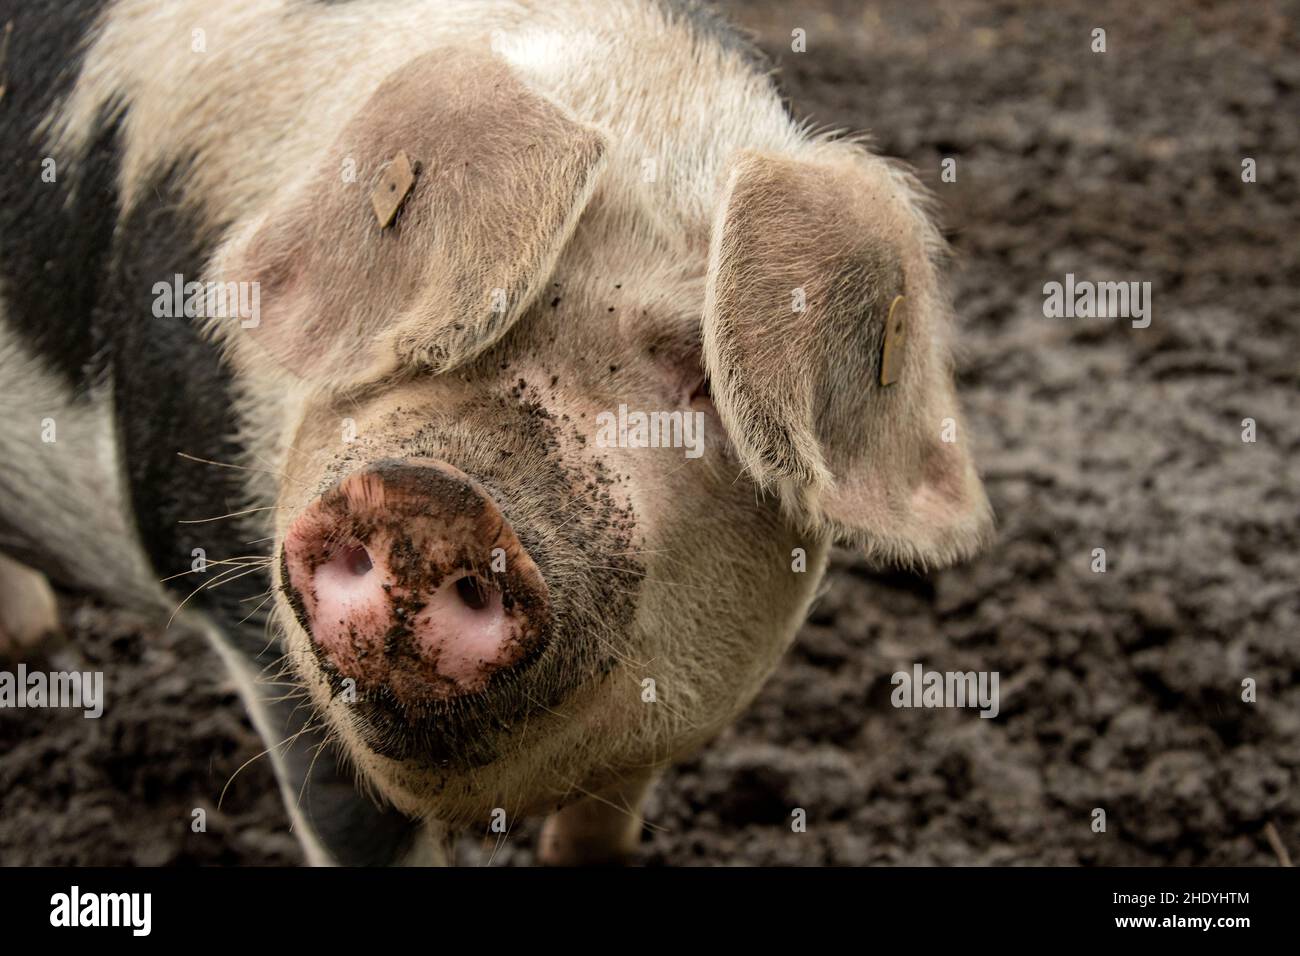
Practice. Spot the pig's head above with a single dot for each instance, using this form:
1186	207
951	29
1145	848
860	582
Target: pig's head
495	594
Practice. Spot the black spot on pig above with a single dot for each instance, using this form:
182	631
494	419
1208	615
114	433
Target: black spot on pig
78	288
54	237
173	395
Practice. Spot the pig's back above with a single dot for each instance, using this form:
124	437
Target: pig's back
667	79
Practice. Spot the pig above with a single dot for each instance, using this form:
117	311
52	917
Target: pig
310	314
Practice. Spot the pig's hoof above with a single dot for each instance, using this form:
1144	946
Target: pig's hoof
562	849
28	612
590	833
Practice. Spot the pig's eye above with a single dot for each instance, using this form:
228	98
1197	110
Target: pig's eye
701	391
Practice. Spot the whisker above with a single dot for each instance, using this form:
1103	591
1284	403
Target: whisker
233	514
329	736
255	757
223	464
626	809
247	561
269	595
225	578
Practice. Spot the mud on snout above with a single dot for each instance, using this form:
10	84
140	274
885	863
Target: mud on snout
446	591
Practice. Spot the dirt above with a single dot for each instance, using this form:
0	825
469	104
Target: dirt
1120	691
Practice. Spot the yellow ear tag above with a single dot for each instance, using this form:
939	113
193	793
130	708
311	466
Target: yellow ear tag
891	359
393	188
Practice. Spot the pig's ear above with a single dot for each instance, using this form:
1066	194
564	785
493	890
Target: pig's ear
426	230
825	342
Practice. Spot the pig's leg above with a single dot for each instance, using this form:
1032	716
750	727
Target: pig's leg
27	610
599	829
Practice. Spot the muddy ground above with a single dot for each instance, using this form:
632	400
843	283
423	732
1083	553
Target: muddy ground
1121	690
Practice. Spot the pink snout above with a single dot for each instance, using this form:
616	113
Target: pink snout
407	577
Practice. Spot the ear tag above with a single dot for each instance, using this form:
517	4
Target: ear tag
394	186
891	358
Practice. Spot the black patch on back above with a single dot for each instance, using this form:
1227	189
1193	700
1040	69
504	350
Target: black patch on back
173	395
52	250
78	289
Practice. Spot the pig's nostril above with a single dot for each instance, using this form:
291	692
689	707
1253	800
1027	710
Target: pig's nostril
357	560
473	592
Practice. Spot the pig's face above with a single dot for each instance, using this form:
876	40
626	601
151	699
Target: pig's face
594	568
495	594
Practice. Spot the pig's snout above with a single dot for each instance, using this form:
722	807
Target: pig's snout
408	578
